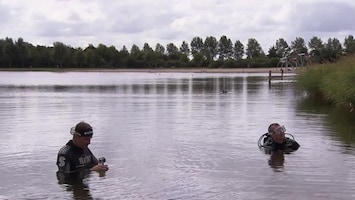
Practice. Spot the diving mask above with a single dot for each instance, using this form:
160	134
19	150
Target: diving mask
279	130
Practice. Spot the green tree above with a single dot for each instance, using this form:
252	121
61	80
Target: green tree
185	54
198	60
123	56
107	56
136	52
22	51
196	46
349	44
254	49
79	57
103	54
282	48
69	57
135	58
2	45
299	46
59	53
315	46
42	56
332	50
210	48
160	50
225	48
334	44
113	56
184	48
148	55
91	57
172	51
160	54
272	53
238	50
9	52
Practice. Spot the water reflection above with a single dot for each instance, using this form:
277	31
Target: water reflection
78	184
339	120
78	190
183	86
276	160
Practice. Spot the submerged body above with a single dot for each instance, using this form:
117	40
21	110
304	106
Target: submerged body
74	163
276	144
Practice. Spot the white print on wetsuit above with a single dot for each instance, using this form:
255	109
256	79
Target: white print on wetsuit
61	161
85	160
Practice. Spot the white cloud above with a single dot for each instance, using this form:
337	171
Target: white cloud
79	23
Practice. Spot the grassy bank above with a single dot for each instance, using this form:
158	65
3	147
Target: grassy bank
334	82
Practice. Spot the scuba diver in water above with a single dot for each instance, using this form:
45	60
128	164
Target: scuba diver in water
75	160
275	143
275	139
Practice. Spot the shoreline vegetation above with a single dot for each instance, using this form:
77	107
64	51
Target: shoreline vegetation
210	52
159	70
332	82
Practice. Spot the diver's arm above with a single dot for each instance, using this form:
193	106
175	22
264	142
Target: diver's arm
292	144
96	165
63	163
99	168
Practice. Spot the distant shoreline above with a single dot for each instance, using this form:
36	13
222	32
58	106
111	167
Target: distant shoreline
154	70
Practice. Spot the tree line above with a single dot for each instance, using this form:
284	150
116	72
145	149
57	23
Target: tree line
208	52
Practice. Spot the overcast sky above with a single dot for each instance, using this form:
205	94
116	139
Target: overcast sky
78	23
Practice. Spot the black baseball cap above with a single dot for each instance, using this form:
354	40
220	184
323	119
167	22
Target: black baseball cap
82	129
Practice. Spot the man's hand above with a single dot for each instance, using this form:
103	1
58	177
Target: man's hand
99	168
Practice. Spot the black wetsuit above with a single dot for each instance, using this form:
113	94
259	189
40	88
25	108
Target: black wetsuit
74	163
287	145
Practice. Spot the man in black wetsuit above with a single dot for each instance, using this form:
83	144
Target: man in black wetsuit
75	160
276	139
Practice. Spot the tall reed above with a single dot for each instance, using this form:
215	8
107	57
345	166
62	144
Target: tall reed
335	82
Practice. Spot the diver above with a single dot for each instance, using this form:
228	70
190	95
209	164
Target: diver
75	160
275	139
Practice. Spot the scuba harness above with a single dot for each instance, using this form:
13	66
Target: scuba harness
265	139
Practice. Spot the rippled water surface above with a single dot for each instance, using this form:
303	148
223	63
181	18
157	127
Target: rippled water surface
172	136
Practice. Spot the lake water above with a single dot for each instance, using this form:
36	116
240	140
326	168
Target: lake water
172	136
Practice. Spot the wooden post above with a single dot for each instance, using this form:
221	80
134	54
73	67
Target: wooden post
282	74
269	76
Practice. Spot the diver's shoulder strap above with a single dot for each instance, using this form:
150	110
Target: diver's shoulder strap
268	140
